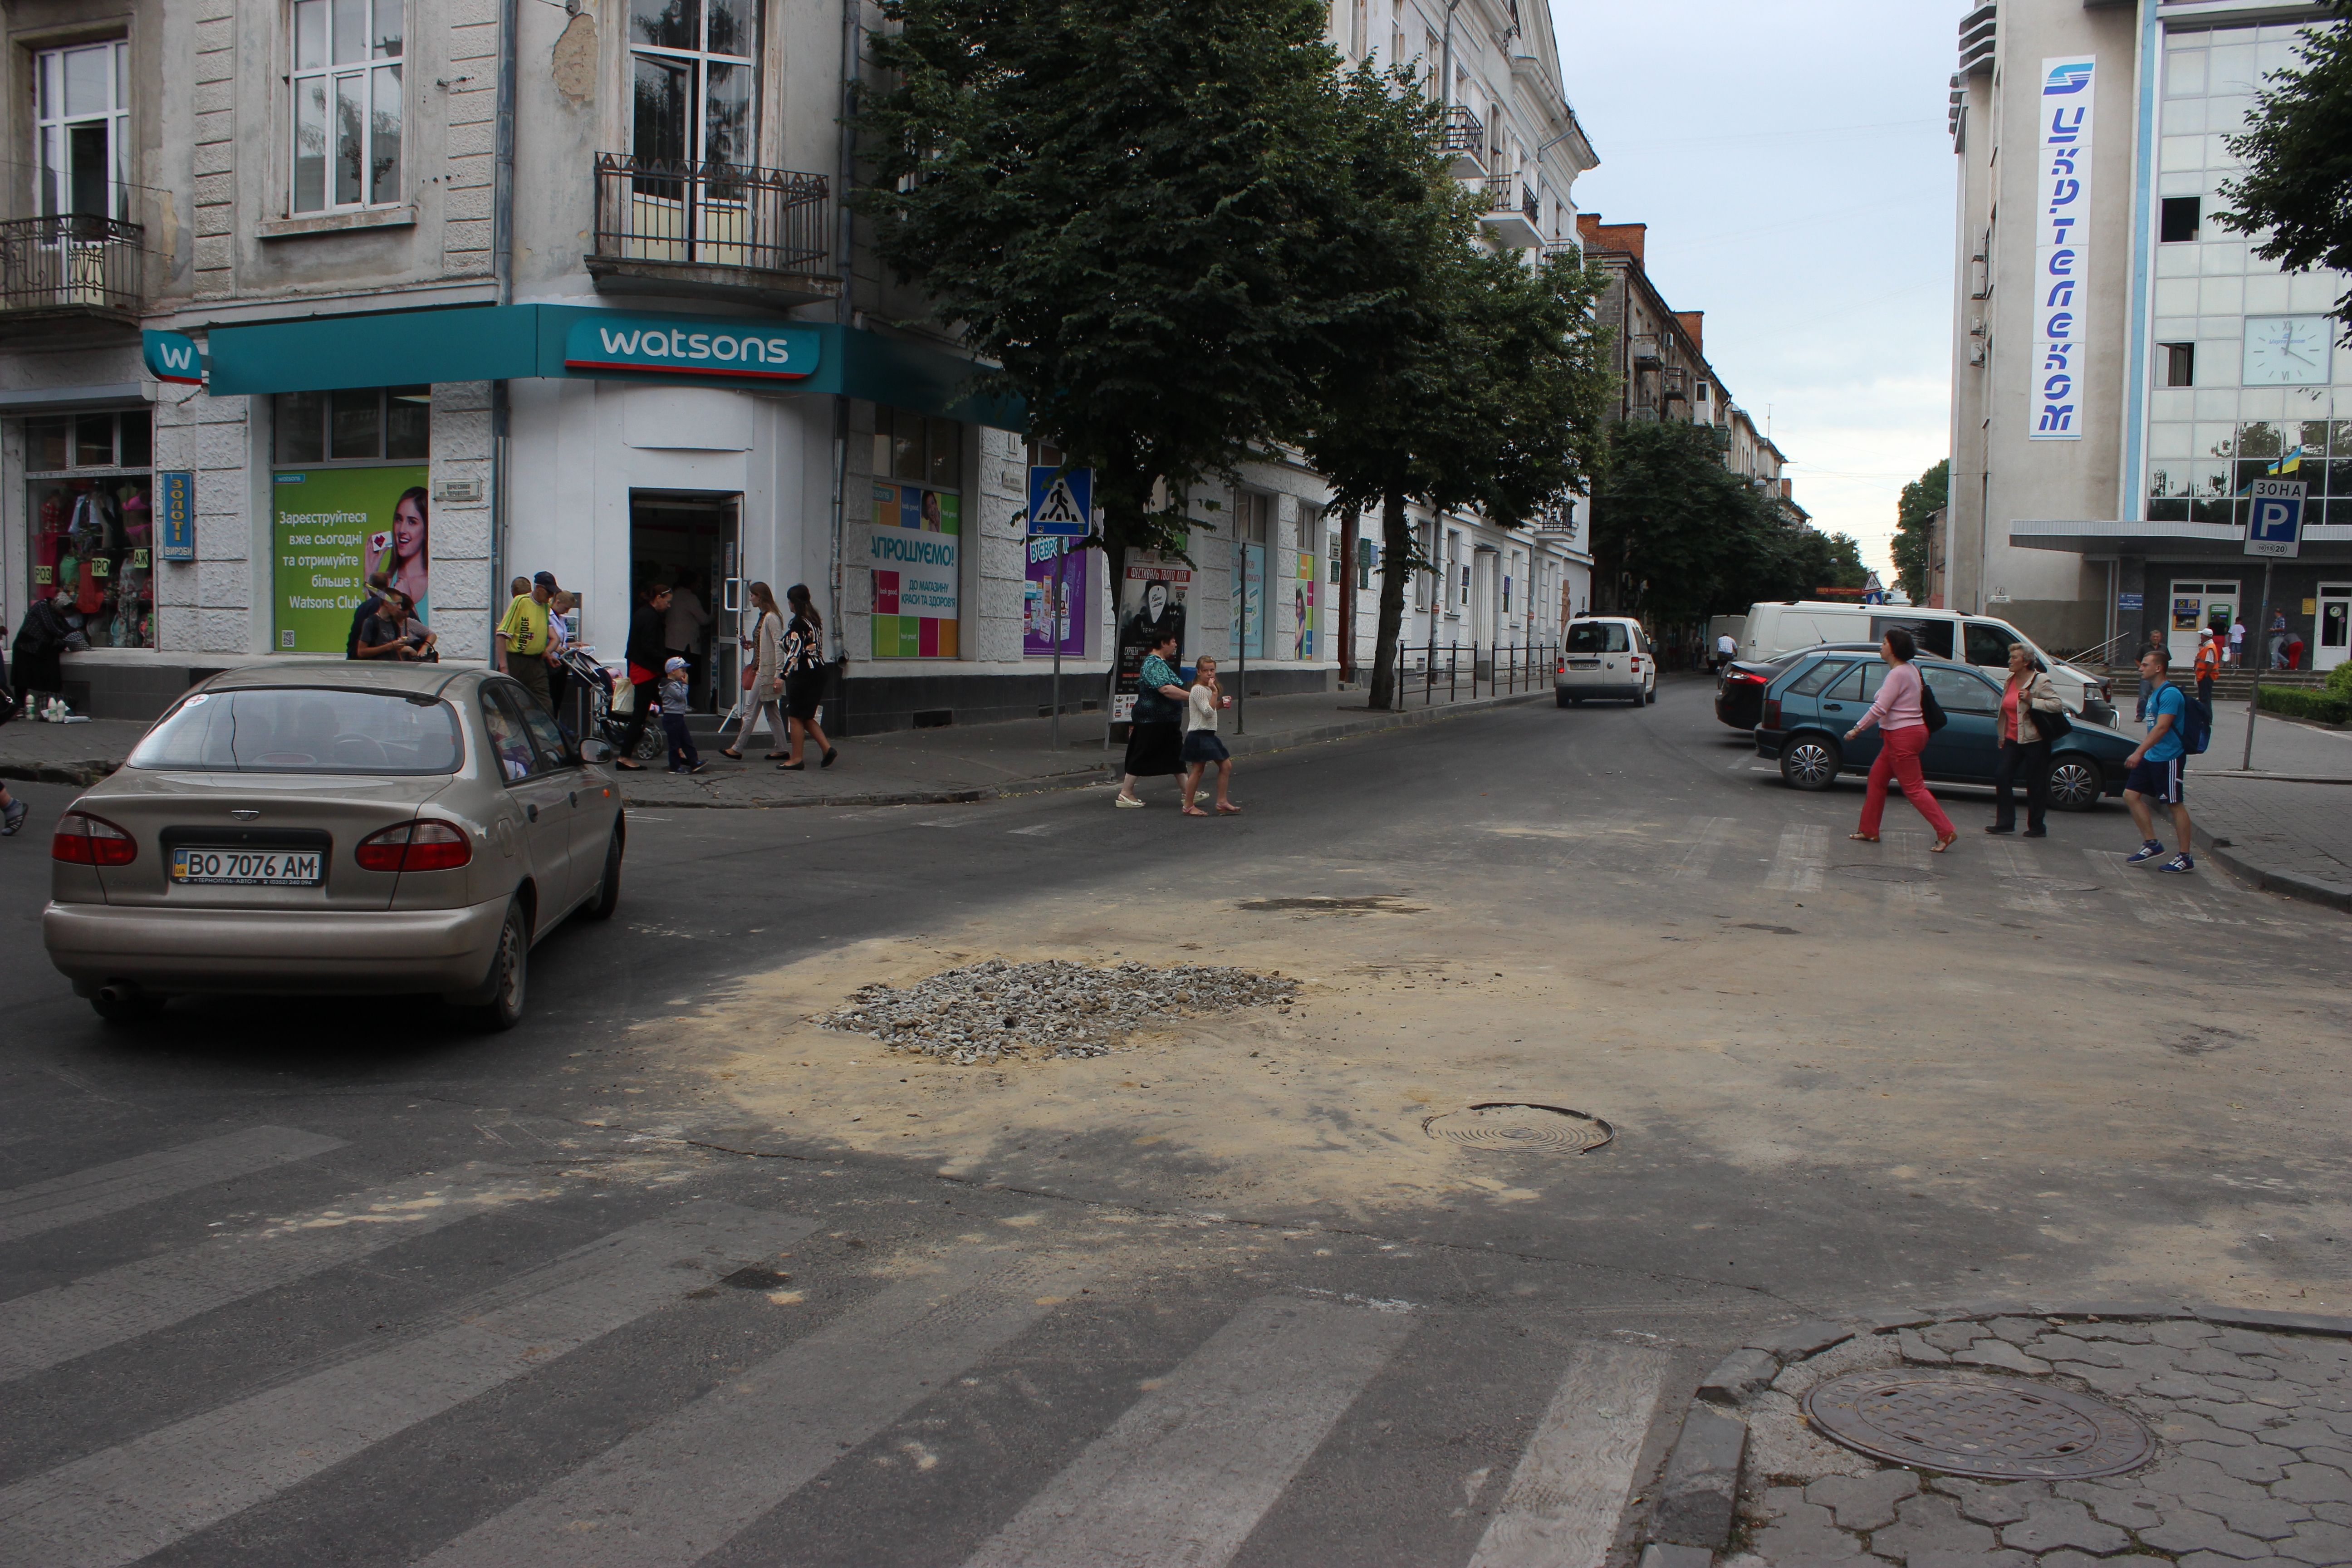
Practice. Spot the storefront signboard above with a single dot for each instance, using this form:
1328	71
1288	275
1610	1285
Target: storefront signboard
176	514
2062	249
738	351
914	554
331	527
173	357
1151	605
1036	630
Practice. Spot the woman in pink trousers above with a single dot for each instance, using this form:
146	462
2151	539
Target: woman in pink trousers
1903	730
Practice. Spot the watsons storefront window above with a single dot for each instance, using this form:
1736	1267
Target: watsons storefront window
914	545
348	495
90	499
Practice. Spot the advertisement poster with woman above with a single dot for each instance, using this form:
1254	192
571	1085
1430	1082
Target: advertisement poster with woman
1151	605
330	528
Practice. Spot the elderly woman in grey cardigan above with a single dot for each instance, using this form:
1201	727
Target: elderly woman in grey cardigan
767	677
2026	732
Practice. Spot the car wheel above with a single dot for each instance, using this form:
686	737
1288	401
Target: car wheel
510	972
1809	762
1561	698
608	890
1652	698
2077	781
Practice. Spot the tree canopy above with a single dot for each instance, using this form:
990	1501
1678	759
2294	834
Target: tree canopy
1921	500
2297	191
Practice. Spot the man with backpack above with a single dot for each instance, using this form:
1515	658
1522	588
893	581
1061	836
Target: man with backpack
2176	729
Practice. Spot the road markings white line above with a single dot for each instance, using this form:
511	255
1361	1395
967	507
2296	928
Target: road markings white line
47	1327
1036	830
2109	864
1908	848
1182	1477
1570	1485
1803	856
684	1486
1711	832
116	1506
126	1184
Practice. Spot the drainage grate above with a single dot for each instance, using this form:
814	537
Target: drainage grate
1522	1126
1997	1429
1884	873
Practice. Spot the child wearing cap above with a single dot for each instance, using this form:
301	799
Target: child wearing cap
683	757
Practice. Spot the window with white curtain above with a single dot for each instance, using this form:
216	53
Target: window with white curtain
81	133
349	113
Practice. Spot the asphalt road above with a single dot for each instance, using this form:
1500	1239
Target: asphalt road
667	1275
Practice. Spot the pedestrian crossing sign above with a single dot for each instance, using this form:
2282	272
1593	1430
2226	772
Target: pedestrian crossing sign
1061	501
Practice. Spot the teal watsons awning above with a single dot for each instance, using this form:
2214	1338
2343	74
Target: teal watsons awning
493	342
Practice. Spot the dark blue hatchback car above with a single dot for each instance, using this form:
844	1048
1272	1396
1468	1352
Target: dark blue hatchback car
1811	705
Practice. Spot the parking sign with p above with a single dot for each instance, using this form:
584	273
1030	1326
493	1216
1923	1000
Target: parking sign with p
2274	525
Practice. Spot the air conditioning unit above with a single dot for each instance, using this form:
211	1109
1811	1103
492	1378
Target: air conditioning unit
1976	353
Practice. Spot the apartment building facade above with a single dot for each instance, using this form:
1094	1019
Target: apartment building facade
466	290
2126	367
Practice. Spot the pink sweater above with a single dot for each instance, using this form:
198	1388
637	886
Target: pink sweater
1897	706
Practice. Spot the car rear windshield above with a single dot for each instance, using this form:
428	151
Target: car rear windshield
305	730
1596	636
1811	683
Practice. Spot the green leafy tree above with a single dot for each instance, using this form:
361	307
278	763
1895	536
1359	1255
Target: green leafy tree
1676	535
2297	191
1921	500
1121	206
1460	378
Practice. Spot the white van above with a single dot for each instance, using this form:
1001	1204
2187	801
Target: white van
1773	630
1604	657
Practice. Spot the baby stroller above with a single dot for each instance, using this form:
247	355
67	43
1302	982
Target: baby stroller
593	713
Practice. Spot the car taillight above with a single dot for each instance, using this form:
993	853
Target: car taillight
414	847
86	840
1771	712
1559	665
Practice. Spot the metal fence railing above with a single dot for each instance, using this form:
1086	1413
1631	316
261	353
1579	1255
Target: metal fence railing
712	215
69	262
1431	673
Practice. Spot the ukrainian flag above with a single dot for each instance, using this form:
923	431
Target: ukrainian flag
2290	464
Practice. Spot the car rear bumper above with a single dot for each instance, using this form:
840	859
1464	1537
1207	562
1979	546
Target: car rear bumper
372	951
1595	686
1769	741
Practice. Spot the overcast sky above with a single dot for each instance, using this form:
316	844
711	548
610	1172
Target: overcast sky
1791	163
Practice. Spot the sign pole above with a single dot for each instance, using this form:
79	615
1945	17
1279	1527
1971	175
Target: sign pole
2275	533
2253	692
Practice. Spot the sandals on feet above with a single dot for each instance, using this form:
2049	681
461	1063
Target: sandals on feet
1945	843
1864	838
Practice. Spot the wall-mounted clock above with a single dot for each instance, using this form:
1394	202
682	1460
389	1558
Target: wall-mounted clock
2287	350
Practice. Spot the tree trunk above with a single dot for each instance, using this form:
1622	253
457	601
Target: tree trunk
1396	548
1345	601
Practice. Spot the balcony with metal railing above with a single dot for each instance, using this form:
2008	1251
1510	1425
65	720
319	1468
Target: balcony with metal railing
712	230
1512	210
1464	139
68	266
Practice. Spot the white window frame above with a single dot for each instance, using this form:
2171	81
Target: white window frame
51	125
700	60
377	73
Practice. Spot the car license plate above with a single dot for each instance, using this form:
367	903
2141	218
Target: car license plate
256	867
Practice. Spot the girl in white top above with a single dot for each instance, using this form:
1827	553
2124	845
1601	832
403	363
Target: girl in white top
1203	748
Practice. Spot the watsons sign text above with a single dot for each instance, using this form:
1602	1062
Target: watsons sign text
673	345
2062	249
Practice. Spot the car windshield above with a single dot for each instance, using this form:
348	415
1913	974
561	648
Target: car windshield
305	730
1596	636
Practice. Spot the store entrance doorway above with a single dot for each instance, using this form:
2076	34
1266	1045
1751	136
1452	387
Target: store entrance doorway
2335	626
691	542
2201	607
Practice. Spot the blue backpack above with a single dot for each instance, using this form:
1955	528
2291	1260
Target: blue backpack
2196	719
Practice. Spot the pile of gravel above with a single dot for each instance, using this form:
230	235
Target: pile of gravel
988	1010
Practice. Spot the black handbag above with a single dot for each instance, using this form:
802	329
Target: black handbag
1931	712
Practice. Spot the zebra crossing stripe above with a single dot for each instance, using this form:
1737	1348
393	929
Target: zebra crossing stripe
1570	1485
2110	865
689	1483
49	1327
1182	1477
1798	864
143	1178
1696	861
118	1505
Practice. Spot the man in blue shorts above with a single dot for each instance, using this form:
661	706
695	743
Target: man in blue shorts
2156	764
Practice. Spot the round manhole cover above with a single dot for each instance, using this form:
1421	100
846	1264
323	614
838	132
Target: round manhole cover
1997	1429
1515	1124
1884	874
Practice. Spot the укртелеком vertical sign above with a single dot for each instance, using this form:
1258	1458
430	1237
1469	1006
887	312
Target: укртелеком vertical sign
2061	249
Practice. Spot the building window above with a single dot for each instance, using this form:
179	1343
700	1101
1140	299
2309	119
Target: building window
2179	219
916	450
82	130
2180	364
365	425
692	68
88	498
347	113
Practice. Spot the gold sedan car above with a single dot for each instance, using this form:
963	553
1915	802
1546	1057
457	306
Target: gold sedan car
334	828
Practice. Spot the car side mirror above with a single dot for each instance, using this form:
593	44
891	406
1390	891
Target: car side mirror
594	751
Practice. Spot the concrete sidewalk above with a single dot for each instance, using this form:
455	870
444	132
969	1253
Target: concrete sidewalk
2286	824
903	767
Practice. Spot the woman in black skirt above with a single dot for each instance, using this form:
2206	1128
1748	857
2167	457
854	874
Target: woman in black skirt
1155	740
802	667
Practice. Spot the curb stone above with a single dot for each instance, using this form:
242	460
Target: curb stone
1663	1556
2269	879
1699	1501
80	775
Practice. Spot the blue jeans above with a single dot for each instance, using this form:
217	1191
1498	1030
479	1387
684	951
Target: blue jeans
681	745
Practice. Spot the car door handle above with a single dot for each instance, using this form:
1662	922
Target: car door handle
531	812
574	797
1833	707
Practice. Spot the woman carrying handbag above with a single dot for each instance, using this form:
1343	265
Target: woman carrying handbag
765	684
804	665
2032	715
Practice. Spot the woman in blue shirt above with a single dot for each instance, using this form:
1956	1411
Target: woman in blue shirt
1155	740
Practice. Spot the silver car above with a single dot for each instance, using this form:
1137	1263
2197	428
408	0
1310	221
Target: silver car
334	828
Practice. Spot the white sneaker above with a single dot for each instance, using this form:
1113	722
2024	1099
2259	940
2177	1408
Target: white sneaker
1125	800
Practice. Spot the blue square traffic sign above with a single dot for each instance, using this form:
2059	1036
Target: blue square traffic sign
2275	523
1061	501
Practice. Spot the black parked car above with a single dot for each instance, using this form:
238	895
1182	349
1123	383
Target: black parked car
1739	685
